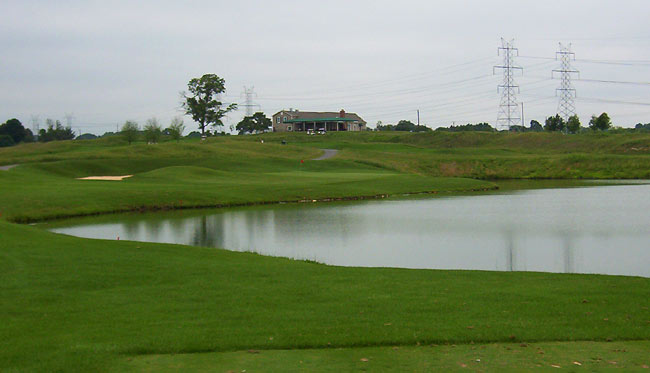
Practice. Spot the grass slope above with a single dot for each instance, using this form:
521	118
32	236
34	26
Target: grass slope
69	303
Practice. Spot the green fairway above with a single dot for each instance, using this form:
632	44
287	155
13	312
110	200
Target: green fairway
72	304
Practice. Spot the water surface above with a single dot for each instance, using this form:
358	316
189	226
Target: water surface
603	229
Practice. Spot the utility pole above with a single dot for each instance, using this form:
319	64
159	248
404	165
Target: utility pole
508	114
566	106
248	94
418	117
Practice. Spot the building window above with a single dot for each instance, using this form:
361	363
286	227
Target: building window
288	128
277	120
284	119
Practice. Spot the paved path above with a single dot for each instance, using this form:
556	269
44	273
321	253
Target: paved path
7	167
329	153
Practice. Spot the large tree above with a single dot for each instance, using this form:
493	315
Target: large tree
203	103
14	129
254	124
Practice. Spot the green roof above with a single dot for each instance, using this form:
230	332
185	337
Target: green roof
320	120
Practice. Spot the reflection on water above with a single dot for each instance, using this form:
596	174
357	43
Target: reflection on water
581	230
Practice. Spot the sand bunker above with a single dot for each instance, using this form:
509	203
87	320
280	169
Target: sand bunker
112	178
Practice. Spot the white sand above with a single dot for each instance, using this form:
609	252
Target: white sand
113	178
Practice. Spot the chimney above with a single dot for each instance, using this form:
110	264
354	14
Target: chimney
342	114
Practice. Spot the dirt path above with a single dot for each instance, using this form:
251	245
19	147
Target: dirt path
329	153
7	167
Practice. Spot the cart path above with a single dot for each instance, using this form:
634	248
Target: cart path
329	153
7	167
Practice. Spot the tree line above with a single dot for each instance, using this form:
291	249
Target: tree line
13	132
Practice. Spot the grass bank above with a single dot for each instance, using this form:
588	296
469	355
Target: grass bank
76	304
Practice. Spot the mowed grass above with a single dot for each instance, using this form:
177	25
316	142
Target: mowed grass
72	304
232	174
76	304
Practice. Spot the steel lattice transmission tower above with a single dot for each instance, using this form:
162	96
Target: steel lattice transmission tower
248	95
509	114
566	106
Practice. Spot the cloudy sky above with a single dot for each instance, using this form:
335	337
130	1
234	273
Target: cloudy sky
107	62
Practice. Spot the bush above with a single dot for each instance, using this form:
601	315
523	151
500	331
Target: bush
6	140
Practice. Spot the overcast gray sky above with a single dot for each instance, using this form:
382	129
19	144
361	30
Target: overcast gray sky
107	62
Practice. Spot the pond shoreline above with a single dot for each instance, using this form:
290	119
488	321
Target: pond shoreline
150	208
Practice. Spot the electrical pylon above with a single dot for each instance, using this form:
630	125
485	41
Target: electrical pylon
509	114
248	95
566	106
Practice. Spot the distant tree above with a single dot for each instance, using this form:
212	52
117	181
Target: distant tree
130	131
535	126
573	124
55	132
518	128
29	135
14	129
176	128
642	127
6	140
86	136
193	135
405	125
384	127
554	123
203	104
600	123
152	131
256	123
480	127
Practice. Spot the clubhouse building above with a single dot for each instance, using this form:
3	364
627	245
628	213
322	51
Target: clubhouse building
304	121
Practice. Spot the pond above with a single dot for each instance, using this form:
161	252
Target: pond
596	229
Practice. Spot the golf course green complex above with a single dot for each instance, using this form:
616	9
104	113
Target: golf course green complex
75	304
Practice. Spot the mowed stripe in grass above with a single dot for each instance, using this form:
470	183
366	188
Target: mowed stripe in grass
497	357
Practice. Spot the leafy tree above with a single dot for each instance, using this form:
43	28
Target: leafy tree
573	124
14	129
254	124
600	123
130	131
6	140
176	129
204	104
535	126
555	123
152	131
